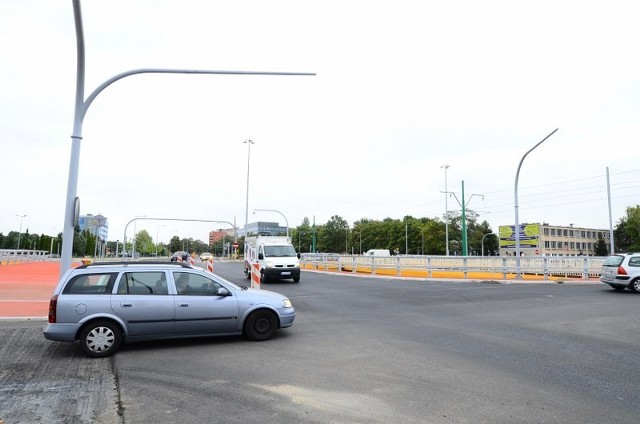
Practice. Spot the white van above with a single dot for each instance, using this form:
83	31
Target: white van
377	252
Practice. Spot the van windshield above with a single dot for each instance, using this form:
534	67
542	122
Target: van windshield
279	251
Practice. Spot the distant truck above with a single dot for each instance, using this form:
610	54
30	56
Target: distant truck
276	258
377	252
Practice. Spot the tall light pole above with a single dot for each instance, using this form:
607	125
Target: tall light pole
157	239
20	232
446	210
346	240
464	205
246	215
488	234
515	192
273	210
72	204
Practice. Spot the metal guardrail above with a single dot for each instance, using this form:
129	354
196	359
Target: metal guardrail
10	256
497	267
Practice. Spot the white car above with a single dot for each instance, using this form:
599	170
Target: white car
622	271
205	256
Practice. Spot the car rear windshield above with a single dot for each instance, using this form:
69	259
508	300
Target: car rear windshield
615	260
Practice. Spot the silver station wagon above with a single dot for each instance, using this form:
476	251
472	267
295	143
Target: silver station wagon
104	304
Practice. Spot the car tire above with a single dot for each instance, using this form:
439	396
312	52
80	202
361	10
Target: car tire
263	278
260	325
635	285
100	339
296	279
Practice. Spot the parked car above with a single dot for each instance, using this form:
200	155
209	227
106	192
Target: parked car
205	256
105	304
622	271
184	256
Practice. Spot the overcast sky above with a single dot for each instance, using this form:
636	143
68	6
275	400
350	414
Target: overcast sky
402	88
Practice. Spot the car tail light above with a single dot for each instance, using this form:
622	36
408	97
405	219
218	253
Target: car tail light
621	271
53	304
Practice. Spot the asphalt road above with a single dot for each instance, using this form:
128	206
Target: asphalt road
362	350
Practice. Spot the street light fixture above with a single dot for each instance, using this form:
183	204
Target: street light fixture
446	210
20	232
273	210
515	192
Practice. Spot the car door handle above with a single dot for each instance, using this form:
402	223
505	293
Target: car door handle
183	305
126	305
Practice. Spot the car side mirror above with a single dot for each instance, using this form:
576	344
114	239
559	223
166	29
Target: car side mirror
260	256
223	292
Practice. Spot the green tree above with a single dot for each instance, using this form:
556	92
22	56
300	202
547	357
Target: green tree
601	248
175	244
144	243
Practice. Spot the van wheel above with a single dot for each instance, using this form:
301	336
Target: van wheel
296	279
261	325
635	285
100	339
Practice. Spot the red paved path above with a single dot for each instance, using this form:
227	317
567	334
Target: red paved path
25	288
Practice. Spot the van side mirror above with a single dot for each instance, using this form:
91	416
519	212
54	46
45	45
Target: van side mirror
298	255
260	256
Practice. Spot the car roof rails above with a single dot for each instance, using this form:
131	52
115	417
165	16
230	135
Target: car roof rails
127	263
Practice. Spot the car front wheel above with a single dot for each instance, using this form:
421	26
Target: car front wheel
100	339
261	325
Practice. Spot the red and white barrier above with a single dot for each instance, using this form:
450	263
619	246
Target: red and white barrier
210	265
255	276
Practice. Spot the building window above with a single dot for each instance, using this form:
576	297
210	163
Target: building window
553	231
546	244
553	244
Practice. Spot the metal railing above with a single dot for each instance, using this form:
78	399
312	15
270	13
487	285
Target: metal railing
22	255
465	267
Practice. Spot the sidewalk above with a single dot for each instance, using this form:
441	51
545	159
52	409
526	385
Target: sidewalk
25	288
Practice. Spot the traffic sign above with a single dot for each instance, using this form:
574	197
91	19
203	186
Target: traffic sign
235	245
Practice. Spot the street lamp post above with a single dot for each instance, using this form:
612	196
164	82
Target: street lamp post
464	205
346	240
20	232
80	110
246	214
157	239
273	210
446	210
515	192
488	234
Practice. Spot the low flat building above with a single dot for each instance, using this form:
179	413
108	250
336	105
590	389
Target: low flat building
551	240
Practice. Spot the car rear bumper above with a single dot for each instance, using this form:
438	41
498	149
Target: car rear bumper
61	332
